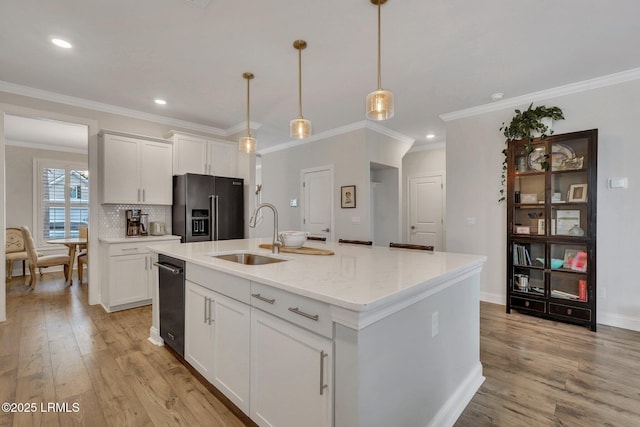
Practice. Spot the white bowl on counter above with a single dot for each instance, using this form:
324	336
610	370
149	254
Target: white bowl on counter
293	239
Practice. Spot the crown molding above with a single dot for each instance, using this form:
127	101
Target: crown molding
583	86
106	108
364	124
242	127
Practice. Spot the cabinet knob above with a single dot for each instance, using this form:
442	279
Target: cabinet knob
569	311
526	303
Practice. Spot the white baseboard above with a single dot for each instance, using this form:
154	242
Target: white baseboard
154	337
455	405
624	322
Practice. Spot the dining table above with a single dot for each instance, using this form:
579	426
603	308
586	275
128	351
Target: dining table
72	243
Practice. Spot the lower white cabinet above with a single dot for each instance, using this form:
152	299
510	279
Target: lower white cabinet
217	341
127	281
291	374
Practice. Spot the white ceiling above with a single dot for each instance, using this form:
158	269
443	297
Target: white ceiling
438	56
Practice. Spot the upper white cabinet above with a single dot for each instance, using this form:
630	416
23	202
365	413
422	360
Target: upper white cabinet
196	154
135	169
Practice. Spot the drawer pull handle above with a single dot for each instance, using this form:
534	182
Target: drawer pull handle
569	311
323	354
526	303
295	310
261	298
129	249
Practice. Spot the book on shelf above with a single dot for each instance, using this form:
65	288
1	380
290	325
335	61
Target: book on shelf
521	255
582	290
566	295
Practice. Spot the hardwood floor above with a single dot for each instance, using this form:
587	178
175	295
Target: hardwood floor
56	348
543	373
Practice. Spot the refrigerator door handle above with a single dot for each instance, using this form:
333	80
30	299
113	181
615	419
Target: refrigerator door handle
217	199
213	205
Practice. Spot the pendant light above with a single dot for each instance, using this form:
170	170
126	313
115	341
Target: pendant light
380	101
300	128
248	143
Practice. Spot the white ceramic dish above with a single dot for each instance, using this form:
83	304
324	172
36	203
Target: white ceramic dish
293	239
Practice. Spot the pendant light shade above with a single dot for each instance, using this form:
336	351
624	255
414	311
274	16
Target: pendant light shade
300	128
379	102
247	143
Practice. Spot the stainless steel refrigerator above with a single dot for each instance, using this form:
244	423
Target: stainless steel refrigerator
207	207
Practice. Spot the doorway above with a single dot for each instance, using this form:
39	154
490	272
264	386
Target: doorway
426	211
317	201
35	120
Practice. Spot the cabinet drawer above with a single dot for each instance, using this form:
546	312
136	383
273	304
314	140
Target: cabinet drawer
226	284
116	249
299	310
570	311
528	304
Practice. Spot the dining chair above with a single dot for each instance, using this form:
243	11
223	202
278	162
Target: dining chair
83	255
14	249
411	246
356	242
39	261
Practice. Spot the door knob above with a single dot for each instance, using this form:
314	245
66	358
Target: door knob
326	230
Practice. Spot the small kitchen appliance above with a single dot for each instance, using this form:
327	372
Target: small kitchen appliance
157	228
134	224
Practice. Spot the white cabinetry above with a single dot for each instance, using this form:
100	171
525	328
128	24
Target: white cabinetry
196	154
217	337
291	379
135	169
127	281
290	359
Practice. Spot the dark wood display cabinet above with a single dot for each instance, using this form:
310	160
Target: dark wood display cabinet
551	227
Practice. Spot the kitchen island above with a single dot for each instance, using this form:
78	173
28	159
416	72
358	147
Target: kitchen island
369	336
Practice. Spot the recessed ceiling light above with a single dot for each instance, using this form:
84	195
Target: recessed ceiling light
430	136
61	43
160	101
497	96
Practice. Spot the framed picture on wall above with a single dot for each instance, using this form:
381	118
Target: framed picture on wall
578	193
348	196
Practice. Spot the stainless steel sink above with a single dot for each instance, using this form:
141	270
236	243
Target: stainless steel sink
249	259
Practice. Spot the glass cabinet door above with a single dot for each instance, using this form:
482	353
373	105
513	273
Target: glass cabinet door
528	268
568	273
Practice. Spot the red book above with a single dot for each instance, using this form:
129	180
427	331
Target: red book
582	290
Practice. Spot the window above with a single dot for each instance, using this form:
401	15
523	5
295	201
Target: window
62	197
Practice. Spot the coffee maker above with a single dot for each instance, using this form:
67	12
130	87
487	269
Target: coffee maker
136	223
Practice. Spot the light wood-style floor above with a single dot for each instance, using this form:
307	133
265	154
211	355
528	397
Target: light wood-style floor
544	373
56	348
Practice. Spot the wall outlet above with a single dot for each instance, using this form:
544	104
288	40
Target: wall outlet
434	324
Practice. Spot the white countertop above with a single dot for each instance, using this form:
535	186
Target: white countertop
143	239
358	278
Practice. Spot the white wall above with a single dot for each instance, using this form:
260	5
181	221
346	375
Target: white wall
350	154
474	161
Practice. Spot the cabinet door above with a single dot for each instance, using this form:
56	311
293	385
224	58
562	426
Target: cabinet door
199	331
231	350
223	158
128	281
155	173
189	155
290	374
120	169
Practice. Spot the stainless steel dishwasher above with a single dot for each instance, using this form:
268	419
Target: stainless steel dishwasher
171	301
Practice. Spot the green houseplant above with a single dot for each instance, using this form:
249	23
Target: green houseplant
527	125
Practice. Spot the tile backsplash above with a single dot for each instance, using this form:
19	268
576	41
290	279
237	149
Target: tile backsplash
113	222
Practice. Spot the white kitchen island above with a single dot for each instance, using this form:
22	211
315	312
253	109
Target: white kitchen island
370	336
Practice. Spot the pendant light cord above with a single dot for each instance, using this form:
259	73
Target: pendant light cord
300	83
379	67
248	128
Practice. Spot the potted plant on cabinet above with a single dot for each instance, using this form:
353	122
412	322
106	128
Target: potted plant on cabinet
528	124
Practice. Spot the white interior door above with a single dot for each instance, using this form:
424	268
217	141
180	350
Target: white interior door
426	211
317	202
